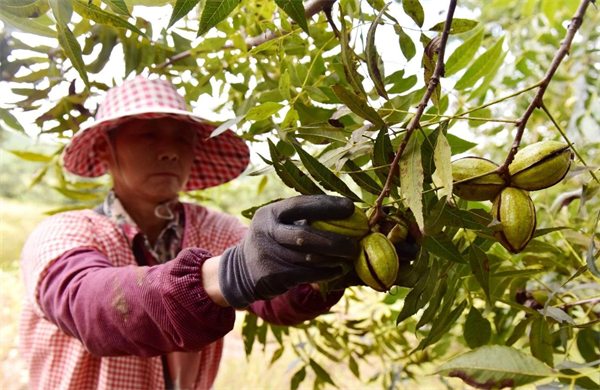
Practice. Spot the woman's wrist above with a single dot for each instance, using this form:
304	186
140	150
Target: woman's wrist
210	281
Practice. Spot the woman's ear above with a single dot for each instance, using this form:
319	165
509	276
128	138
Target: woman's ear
102	149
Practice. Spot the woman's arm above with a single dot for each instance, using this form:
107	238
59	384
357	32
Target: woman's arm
132	310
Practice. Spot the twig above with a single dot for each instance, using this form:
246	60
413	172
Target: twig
311	9
537	100
593	301
414	123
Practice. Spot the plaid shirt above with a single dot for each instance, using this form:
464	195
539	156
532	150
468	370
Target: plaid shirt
145	309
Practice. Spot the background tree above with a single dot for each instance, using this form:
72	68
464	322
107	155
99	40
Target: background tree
348	94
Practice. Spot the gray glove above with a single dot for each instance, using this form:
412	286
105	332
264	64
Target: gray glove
281	250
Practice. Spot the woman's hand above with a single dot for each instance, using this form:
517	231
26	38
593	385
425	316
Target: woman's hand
278	254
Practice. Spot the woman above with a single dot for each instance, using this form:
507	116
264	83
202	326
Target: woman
138	293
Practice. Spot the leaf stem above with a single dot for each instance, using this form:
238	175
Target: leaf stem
537	101
564	135
414	123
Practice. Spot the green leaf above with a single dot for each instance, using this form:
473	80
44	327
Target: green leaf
214	12
477	330
480	266
31	26
464	53
25	8
324	176
458	26
180	9
350	71
414	9
442	156
458	144
481	67
81	196
431	311
406	43
92	12
373	58
298	378
484	113
226	126
10	120
357	105
518	331
590	258
62	11
263	111
361	178
353	367
441	245
320	372
284	85
263	46
421	293
295	10
118	6
411	177
400	84
442	325
495	366
540	341
249	213
542	232
249	331
291	175
72	50
31	156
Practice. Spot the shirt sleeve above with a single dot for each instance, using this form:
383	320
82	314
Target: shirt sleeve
299	304
132	310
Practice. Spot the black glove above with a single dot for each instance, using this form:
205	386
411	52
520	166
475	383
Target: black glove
277	254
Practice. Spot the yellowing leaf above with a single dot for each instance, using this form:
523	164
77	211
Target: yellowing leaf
442	157
411	178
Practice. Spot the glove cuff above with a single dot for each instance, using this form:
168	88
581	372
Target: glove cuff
234	279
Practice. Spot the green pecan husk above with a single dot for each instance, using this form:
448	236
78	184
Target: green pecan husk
486	187
515	210
377	264
540	165
355	226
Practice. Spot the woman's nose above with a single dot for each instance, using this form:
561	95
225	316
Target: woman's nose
170	155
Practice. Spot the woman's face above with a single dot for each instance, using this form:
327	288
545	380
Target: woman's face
153	158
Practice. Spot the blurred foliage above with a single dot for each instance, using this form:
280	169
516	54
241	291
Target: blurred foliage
334	93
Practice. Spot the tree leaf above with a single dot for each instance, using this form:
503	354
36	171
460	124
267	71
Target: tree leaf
249	331
284	85
429	314
557	314
518	331
295	10
442	156
361	178
263	111
350	71
72	50
464	53
357	104
31	26
406	43
118	6
482	66
320	372
373	57
31	156
180	9
214	12
291	175
478	330
442	325
411	176
11	120
414	9
540	341
590	258
226	126
458	26
298	378
62	11
441	245
25	8
421	293
495	366
92	12
324	176
480	266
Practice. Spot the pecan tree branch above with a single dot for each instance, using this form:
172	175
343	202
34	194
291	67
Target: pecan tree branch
537	101
311	9
414	123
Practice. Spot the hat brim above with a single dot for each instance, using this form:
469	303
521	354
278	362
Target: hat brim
217	160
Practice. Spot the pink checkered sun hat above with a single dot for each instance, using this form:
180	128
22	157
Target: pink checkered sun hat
217	160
